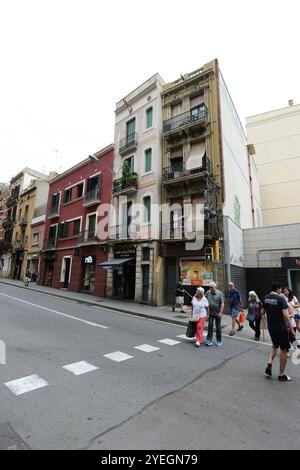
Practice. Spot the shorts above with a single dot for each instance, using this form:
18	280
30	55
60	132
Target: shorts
234	313
280	338
297	317
179	300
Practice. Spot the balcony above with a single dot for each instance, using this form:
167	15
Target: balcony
20	244
49	244
170	175
23	222
186	120
123	232
126	185
88	237
178	232
7	222
5	245
12	200
92	197
128	144
53	212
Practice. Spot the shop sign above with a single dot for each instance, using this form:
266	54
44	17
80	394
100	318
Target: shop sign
90	260
126	253
291	263
196	273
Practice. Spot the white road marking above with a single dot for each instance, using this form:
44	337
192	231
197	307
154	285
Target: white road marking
146	348
56	312
118	356
26	384
169	342
80	368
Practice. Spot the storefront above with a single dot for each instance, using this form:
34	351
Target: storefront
49	259
292	265
122	267
88	273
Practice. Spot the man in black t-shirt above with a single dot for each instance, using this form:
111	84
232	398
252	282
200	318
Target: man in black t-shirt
277	312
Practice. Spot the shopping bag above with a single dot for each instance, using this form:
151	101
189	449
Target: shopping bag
242	317
190	332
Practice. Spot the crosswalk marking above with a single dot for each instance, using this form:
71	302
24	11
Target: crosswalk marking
118	356
146	348
169	342
26	384
80	368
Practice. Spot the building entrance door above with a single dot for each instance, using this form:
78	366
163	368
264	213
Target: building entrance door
67	262
146	279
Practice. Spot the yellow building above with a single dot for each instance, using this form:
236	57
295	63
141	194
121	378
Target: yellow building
33	196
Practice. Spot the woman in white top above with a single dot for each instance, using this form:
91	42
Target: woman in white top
294	308
200	310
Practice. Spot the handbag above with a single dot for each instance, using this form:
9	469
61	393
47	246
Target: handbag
251	313
190	332
242	317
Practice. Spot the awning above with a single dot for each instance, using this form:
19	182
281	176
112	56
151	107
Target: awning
114	263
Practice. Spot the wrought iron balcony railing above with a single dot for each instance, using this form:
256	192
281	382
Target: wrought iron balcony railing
124	183
88	236
186	119
128	142
50	244
173	174
53	212
92	197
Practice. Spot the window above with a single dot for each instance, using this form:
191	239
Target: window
79	190
36	237
52	233
92	225
146	254
148	160
76	227
130	161
67	195
149	116
55	201
147	208
93	183
130	131
63	230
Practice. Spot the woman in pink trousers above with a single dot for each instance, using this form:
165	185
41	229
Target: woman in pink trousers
200	310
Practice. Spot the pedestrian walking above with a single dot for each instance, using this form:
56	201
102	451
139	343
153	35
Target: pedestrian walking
254	313
216	308
200	311
235	307
27	278
276	308
179	297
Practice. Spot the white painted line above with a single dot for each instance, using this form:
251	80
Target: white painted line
118	356
80	368
185	337
55	311
147	348
169	342
26	384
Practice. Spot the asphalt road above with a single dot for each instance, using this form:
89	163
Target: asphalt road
174	397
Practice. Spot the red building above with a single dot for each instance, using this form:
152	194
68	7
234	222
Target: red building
72	246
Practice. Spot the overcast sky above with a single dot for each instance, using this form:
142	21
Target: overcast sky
65	63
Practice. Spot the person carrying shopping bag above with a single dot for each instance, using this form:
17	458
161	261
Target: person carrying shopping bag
254	314
200	311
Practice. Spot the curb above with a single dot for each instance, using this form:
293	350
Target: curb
94	304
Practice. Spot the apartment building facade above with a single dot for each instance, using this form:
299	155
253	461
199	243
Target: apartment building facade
276	137
134	249
73	242
206	161
5	242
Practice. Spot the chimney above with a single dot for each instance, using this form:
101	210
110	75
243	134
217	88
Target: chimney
52	175
291	103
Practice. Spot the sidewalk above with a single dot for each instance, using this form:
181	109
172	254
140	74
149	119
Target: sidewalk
164	313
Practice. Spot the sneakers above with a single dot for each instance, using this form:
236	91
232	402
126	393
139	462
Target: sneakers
197	344
284	378
209	343
240	328
269	370
219	344
257	338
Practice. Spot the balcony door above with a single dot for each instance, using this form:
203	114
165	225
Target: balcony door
91	226
130	131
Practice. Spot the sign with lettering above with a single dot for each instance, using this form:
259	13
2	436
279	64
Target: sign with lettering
291	263
90	260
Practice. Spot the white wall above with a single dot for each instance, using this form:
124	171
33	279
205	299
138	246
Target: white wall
276	137
234	246
235	154
146	96
264	247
